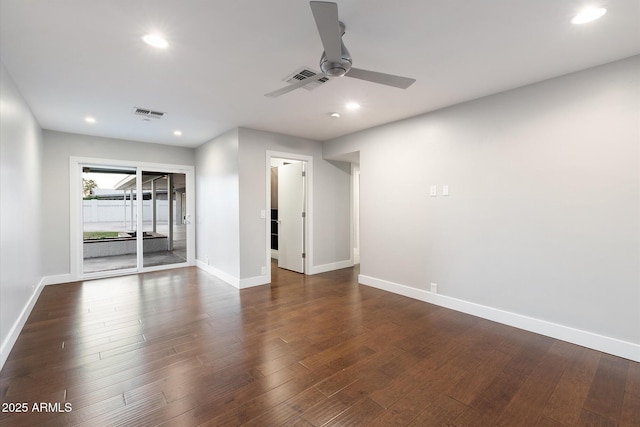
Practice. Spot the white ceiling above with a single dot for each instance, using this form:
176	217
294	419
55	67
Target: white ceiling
73	58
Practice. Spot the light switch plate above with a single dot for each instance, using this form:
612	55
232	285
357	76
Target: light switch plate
445	190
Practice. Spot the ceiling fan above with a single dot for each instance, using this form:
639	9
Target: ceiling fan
336	60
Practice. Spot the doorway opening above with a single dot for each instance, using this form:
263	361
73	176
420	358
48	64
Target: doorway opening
289	203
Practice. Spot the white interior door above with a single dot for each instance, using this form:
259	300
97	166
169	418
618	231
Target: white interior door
291	216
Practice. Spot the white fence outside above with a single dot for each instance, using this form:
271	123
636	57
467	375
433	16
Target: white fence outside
116	211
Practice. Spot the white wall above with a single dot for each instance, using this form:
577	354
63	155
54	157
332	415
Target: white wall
331	202
20	211
217	207
543	217
58	147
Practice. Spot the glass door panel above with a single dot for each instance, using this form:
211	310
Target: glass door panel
164	218
109	218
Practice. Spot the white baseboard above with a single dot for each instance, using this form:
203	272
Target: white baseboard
11	339
264	280
316	269
68	278
57	279
587	339
232	280
254	281
226	277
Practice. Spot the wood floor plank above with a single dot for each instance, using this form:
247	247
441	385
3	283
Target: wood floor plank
181	347
607	389
633	379
545	421
362	387
471	418
287	411
631	404
255	407
630	414
588	418
390	393
496	396
324	411
408	407
358	414
527	405
469	385
565	403
440	411
128	414
244	403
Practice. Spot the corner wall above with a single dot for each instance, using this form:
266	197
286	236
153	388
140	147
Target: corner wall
331	203
20	212
217	207
541	229
231	193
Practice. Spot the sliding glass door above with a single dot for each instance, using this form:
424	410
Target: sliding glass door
133	217
164	218
109	219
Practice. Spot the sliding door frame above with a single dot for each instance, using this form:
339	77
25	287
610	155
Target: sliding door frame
75	214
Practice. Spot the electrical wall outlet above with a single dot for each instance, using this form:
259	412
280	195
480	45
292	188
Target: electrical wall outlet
434	288
263	270
433	191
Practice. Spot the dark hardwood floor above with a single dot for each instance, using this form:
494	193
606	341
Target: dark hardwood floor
182	348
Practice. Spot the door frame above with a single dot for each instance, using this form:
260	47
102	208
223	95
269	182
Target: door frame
308	224
295	258
355	210
75	213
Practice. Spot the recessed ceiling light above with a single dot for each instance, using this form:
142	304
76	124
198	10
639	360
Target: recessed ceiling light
335	115
155	40
589	14
89	119
353	106
177	132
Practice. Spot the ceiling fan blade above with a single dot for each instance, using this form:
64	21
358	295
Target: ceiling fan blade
381	78
326	16
296	85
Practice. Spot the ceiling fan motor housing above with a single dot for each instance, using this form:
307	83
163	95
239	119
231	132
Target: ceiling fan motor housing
337	69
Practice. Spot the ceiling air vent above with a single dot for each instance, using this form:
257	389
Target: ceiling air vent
304	73
149	114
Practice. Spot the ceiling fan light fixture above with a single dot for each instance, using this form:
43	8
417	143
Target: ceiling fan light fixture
589	14
155	40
